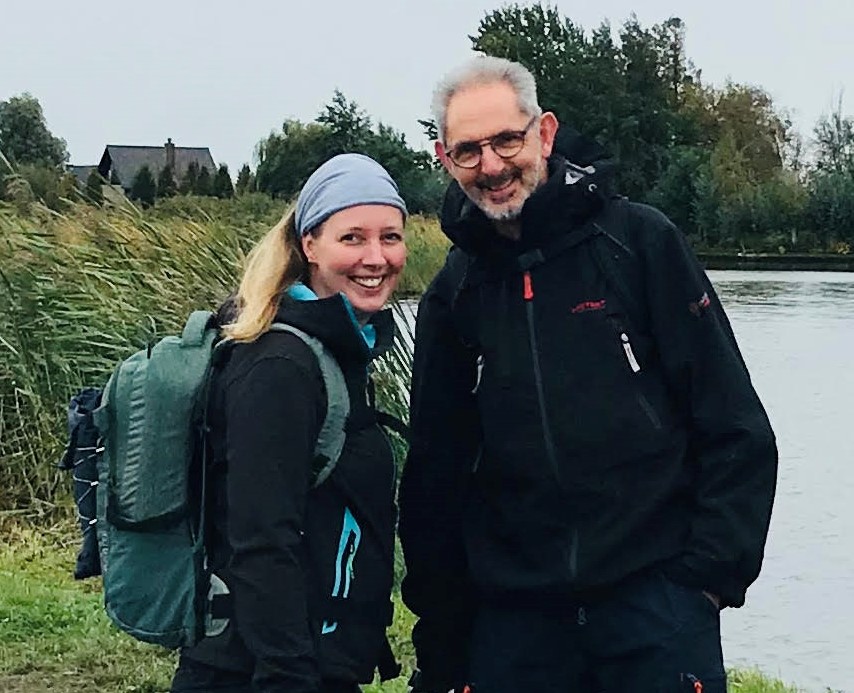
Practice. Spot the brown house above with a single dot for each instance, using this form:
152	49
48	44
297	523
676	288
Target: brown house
121	163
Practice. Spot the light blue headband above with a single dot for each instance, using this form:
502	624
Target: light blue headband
344	181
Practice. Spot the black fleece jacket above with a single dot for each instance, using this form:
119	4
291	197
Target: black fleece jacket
556	447
290	553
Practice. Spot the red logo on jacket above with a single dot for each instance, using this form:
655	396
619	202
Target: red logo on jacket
585	306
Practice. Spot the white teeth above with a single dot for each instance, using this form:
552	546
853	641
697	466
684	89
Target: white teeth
369	282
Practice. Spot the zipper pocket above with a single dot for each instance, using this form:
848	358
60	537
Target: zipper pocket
625	342
649	411
630	355
479	374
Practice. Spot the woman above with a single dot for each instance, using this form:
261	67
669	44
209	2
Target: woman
309	567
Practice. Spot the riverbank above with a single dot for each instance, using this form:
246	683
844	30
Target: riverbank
793	262
54	635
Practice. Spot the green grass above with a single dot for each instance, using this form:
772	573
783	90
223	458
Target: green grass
54	635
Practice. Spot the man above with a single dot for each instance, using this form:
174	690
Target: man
591	473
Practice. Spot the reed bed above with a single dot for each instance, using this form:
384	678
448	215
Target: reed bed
79	291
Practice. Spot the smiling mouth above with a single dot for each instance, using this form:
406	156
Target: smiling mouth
498	185
501	188
368	282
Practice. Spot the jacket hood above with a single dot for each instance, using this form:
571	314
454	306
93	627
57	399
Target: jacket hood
580	175
329	319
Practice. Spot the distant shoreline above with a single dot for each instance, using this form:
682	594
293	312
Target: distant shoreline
799	262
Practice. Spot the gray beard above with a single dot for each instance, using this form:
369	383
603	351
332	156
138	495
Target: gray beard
513	213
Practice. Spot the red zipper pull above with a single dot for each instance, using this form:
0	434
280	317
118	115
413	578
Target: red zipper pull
528	291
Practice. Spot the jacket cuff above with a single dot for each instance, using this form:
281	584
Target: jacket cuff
716	577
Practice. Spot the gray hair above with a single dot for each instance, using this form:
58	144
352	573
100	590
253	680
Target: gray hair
482	70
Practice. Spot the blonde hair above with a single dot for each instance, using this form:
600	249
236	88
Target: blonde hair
274	263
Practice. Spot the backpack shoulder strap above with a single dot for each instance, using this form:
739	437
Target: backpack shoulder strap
330	441
618	262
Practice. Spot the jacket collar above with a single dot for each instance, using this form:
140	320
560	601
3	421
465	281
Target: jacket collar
329	319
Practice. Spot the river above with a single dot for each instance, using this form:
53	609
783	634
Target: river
796	332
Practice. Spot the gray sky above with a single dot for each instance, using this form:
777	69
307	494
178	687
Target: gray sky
224	74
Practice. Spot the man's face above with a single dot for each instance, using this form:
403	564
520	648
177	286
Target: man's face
497	185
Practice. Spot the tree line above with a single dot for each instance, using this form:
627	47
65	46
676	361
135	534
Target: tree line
724	162
145	189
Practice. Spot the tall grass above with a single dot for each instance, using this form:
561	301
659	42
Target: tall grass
81	290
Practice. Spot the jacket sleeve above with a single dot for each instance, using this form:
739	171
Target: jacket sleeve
730	437
270	445
444	440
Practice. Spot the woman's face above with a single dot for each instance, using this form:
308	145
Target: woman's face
359	252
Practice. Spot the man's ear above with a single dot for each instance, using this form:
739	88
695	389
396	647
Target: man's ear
443	156
548	130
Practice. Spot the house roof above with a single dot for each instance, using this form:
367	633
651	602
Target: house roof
81	173
126	160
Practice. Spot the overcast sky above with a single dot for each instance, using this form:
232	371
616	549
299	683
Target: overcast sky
224	74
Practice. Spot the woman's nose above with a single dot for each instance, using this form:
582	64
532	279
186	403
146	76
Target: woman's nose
373	254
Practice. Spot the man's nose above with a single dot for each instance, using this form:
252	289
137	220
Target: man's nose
490	163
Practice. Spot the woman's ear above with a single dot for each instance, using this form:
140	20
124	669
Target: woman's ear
307	242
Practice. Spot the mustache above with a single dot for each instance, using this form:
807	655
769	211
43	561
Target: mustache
499	180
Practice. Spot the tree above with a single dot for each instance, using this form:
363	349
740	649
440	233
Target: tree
222	186
189	180
94	190
166	186
626	96
286	159
676	190
834	136
245	180
830	207
349	126
144	188
52	187
24	135
421	185
204	183
759	133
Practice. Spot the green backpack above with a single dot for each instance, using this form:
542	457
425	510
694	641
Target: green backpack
150	524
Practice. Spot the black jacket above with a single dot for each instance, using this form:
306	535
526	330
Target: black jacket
558	446
282	547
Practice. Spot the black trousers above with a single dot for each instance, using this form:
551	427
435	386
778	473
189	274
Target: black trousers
650	636
196	677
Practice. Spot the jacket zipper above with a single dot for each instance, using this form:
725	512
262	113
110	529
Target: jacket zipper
351	536
528	295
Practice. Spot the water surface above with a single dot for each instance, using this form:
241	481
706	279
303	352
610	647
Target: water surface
796	331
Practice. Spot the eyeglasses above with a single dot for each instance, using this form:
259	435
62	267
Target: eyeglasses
505	144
